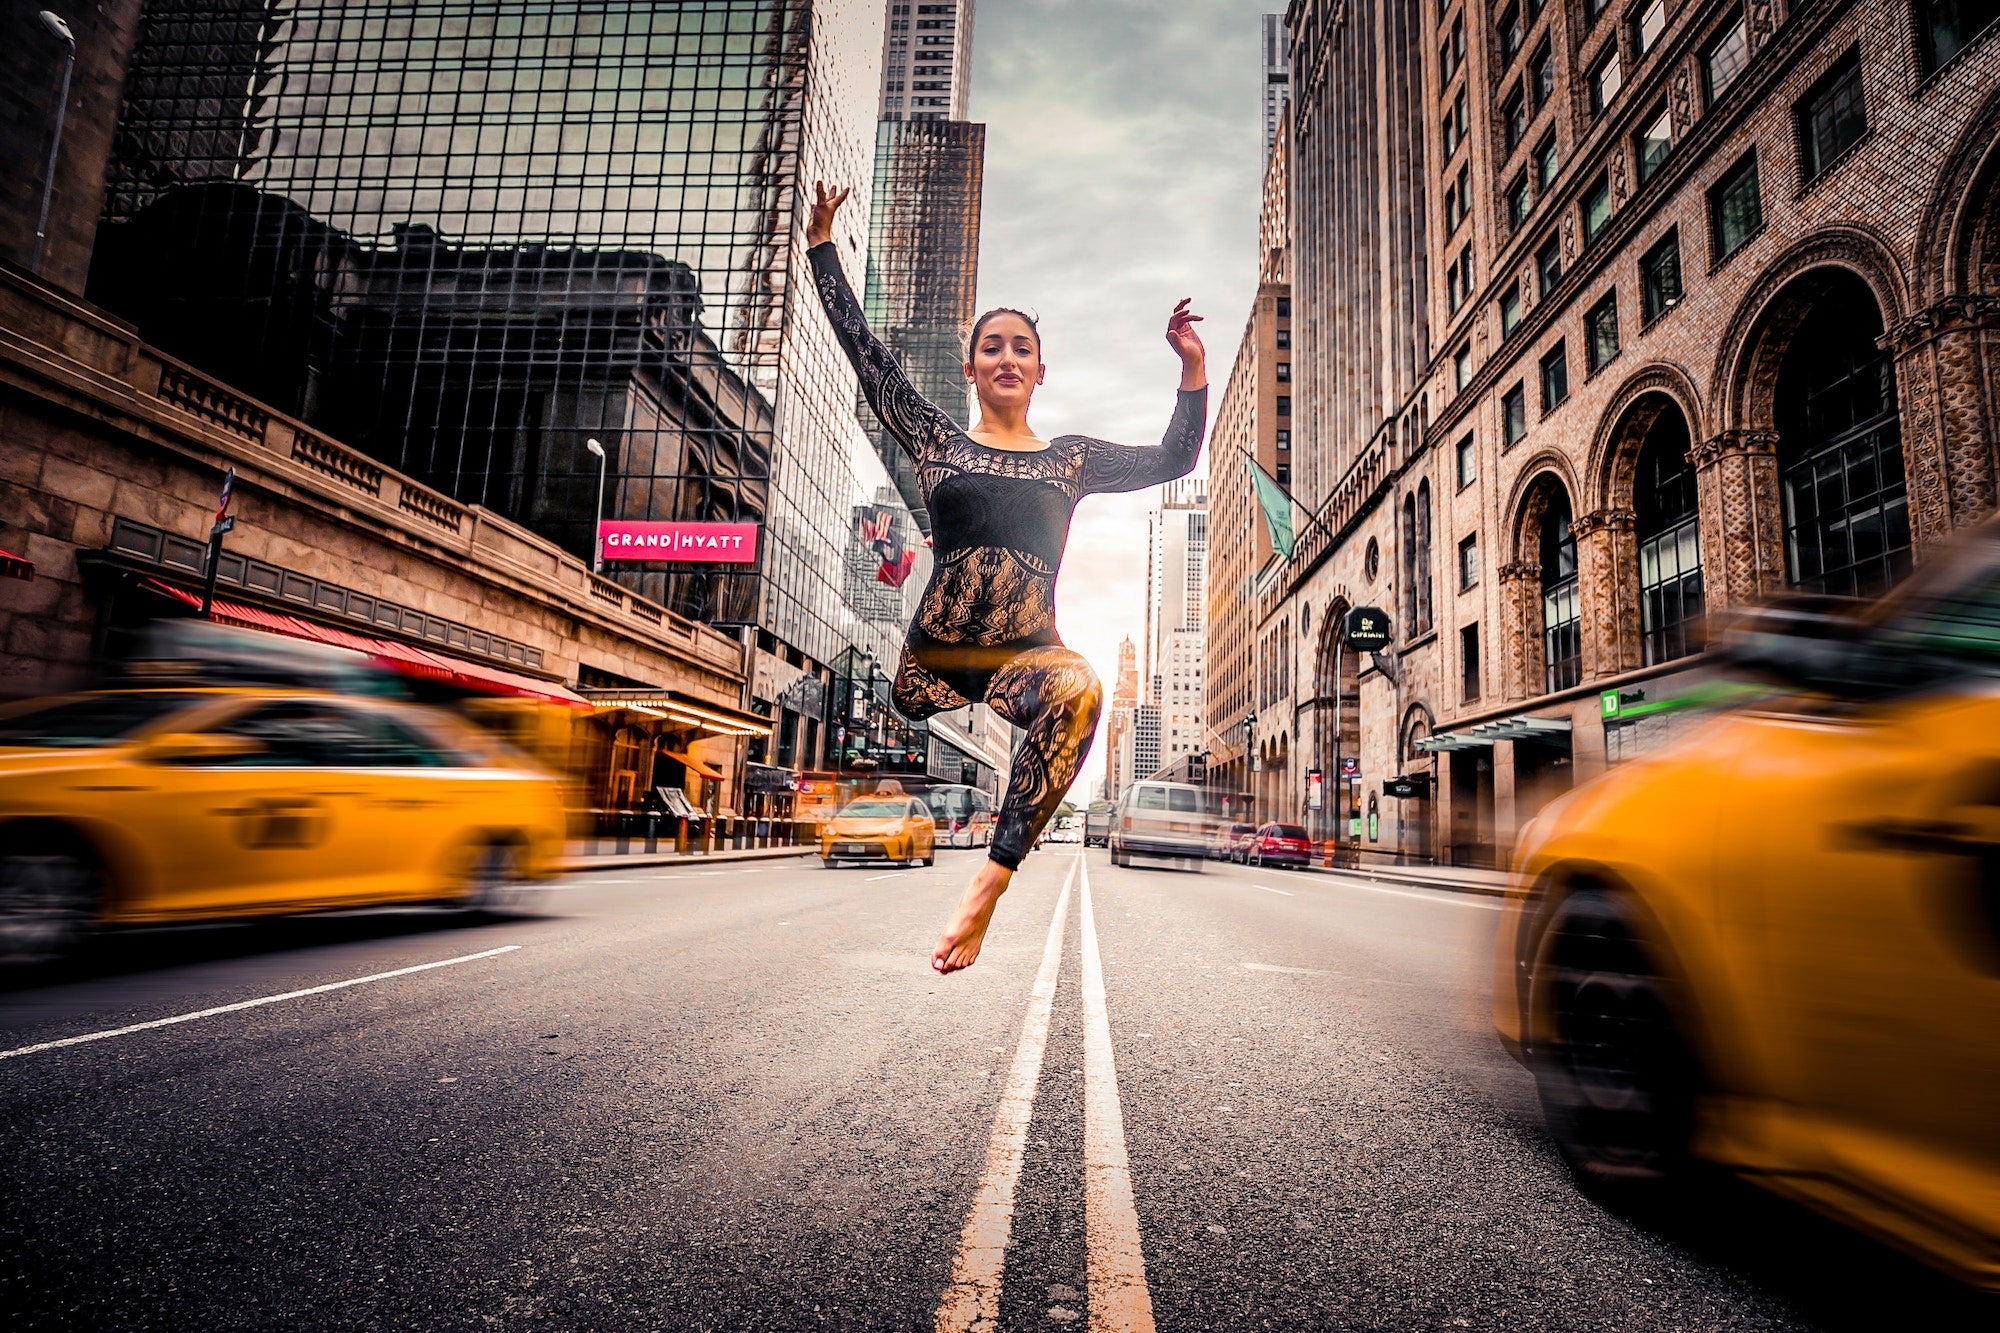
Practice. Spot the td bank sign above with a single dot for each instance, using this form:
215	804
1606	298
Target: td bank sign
671	542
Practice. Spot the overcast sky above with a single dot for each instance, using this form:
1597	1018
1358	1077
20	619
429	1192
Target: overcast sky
1124	153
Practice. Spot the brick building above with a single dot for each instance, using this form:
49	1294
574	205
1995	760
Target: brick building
1613	314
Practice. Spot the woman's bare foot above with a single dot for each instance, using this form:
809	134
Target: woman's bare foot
959	945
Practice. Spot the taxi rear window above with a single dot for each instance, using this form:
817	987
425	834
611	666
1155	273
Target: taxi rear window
86	723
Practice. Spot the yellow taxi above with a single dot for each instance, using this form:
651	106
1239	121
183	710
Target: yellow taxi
1775	947
150	805
886	827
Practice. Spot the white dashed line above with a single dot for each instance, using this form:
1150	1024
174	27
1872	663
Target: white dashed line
252	1004
1285	893
893	874
1296	971
1114	1262
972	1301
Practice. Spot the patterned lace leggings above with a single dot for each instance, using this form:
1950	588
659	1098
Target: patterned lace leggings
1048	691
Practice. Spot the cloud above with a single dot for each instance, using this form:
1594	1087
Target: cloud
1123	162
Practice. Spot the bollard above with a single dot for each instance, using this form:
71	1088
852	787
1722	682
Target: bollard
652	832
680	835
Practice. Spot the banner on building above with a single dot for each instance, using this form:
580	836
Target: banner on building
674	542
881	533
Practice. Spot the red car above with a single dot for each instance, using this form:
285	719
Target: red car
1280	845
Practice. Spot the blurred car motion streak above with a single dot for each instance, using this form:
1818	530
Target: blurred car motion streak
1775	946
181	802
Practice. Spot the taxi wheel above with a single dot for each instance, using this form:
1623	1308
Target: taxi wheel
494	883
931	859
1616	1079
48	900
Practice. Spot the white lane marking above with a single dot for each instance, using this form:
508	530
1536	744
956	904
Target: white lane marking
1114	1262
972	1301
252	1004
1450	897
1297	971
1268	889
893	874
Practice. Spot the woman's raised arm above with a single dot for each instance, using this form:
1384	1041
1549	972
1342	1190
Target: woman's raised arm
1113	467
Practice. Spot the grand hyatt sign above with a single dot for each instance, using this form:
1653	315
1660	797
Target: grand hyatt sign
707	543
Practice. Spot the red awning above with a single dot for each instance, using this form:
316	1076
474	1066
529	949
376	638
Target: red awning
403	657
16	566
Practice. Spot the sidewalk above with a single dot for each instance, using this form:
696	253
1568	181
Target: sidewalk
1457	879
580	861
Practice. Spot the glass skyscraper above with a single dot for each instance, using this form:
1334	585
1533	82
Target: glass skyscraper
470	236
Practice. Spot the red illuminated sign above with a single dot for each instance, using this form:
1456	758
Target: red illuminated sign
707	543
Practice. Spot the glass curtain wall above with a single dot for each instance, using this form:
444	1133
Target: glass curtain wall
469	236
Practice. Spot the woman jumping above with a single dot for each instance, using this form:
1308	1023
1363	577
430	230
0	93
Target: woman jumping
1000	501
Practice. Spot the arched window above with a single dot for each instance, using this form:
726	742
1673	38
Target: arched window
1422	621
1840	448
1663	496
1562	631
1409	564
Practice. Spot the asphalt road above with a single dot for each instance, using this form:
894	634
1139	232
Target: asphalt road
738	1098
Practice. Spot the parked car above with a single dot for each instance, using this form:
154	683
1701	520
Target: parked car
880	828
168	804
1097	824
1279	845
1231	842
1774	947
1159	819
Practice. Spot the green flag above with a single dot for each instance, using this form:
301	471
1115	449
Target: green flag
1277	507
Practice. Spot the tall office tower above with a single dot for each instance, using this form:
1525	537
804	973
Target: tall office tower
1277	80
927	61
1118	733
1177	561
1147	757
471	239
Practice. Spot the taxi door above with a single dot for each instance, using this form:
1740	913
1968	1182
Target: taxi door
1871	834
416	804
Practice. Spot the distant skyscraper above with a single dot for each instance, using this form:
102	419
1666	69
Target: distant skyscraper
1177	574
1118	736
1277	78
927	61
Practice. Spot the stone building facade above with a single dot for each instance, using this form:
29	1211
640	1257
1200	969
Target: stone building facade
1709	311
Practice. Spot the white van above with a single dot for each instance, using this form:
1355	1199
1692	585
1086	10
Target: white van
1160	819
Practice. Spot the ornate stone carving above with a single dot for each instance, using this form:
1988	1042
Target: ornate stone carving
1681	100
1618	187
1520	571
1603	520
1763	22
1976	310
1732	444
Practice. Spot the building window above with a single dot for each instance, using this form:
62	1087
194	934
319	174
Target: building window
1458	200
1946	27
1511	32
1651	145
1605	81
1562	623
1284	307
1514	414
1451	51
1555	377
1660	277
1649	26
1468	563
1458	280
1547	163
1549	266
1601	332
1593	8
1723	59
1457	124
1669	536
1542	73
1284	438
1596	209
1510	310
1284	404
1736	210
1461	368
1519	201
1468	462
1513	119
1831	118
1468	662
1284	473
1284	340
1284	372
1422	623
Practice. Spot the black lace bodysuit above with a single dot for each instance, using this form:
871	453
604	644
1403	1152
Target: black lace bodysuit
985	626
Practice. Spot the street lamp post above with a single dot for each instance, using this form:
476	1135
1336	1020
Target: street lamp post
60	31
597	540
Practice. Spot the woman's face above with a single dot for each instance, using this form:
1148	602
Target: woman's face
1006	362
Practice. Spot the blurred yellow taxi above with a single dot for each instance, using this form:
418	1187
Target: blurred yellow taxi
1775	947
880	828
127	806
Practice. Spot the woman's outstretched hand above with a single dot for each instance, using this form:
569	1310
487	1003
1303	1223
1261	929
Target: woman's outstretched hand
1187	346
825	204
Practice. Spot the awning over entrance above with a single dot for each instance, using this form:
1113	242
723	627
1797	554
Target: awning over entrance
679	706
694	765
16	566
1507	729
402	657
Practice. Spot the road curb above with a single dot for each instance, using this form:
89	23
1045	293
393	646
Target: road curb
576	865
1418	880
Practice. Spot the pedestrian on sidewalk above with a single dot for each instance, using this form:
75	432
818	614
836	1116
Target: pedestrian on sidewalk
1001	500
